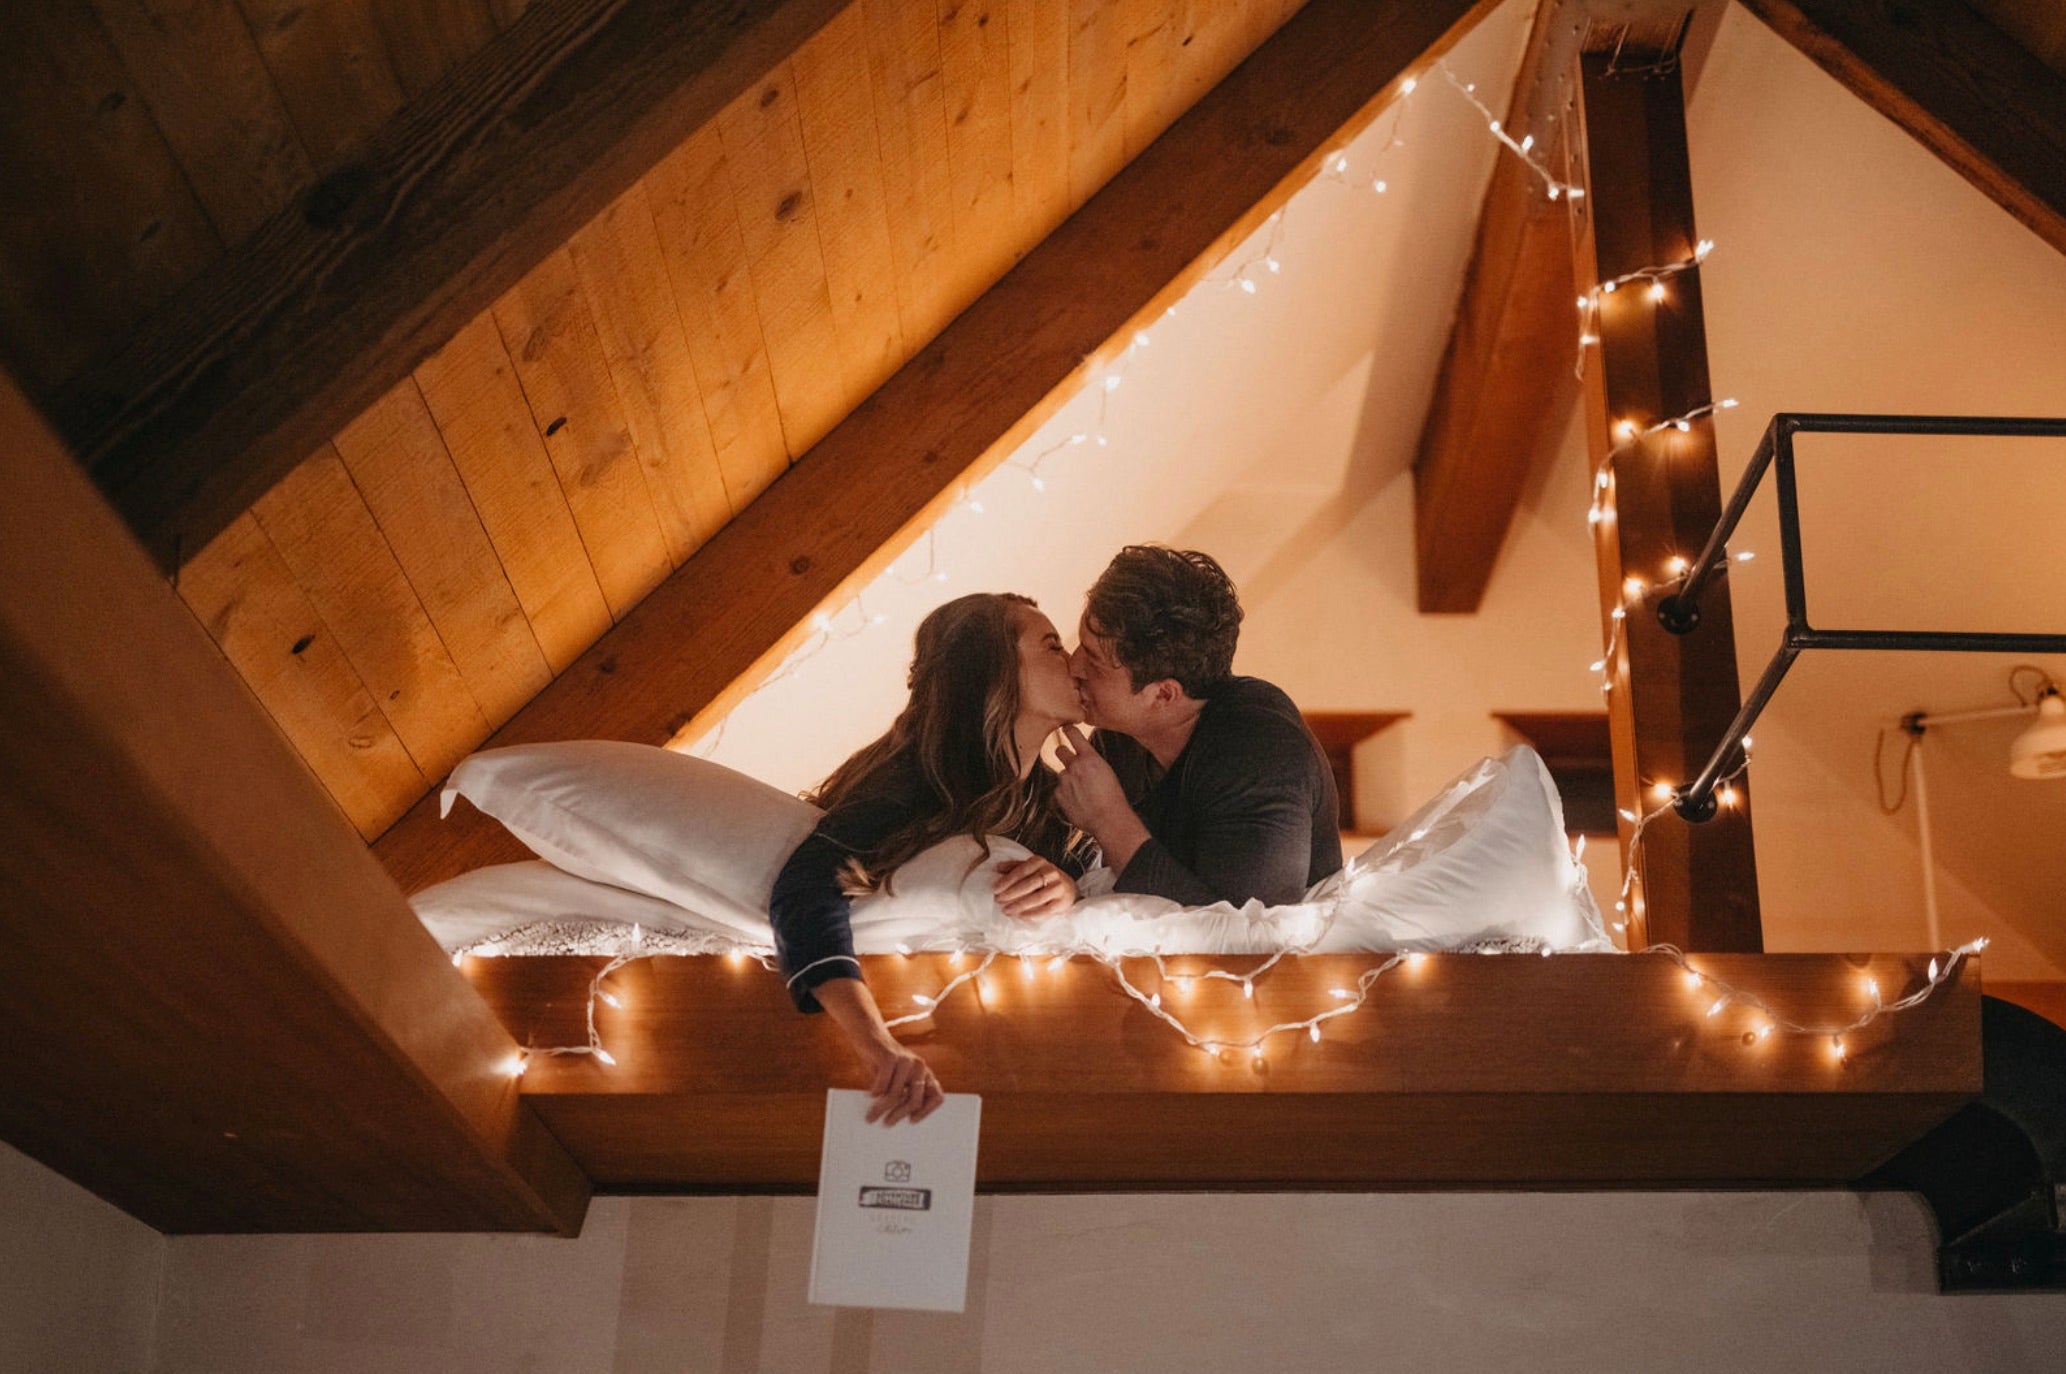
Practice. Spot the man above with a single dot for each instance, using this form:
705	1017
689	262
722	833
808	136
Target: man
1203	787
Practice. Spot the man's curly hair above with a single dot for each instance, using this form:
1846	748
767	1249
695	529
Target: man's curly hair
1169	613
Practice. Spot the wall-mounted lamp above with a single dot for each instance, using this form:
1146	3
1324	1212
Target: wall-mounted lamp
2040	751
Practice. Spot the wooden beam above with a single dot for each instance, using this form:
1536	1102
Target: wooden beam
1965	90
1461	1072
288	337
1507	379
222	1015
968	399
1671	698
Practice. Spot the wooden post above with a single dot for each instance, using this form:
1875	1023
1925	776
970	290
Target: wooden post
1670	698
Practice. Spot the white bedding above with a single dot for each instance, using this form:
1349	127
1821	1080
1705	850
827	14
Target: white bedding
1484	863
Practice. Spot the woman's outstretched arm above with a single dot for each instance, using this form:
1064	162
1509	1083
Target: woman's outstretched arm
902	1084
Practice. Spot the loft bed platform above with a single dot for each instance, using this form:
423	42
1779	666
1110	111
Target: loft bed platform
1463	1071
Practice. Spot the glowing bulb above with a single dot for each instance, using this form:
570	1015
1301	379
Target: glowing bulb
1058	963
1661	790
976	506
1764	1030
1715	1010
1038	485
1625	428
1656	290
606	1056
1746	742
1933	970
940	576
1872	988
923	1000
1406	86
1111	381
1726	404
1248	286
1681	426
1025	967
1587	340
1140	338
1248	989
1527	143
983	988
1273	264
1343	993
1341	163
1155	1000
1259	1057
1595	515
1314	1031
1182	984
1836	1047
1209	1047
879	618
1634	586
1675	565
1598	665
1380	186
1079	438
1692	977
458	959
1728	794
1608	288
515	1065
821	622
1416	960
1555	191
1494	125
610	998
956	957
1744	557
1702	249
1584	301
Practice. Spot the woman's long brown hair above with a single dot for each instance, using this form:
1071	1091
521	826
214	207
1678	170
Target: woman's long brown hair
957	731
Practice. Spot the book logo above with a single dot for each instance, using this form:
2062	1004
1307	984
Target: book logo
897	1171
898	1199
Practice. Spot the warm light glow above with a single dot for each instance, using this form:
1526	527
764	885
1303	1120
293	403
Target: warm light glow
1625	428
1314	1031
610	999
1675	565
1380	186
1692	978
1248	286
1415	960
1836	1047
1634	586
1656	290
1588	339
606	1056
1728	794
1248	989
515	1065
1933	970
458	959
1661	791
1406	86
1609	288
1717	1007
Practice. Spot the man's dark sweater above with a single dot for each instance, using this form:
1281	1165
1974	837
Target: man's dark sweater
1246	810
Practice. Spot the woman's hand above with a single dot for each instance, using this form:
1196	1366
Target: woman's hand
1032	888
901	1083
904	1086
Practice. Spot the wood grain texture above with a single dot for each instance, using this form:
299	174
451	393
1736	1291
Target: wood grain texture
843	155
1464	1071
975	69
549	333
1039	115
624	272
200	73
276	346
918	178
100	225
1672	697
332	70
471	389
698	225
257	1033
1991	110
778	222
399	463
426	39
319	525
243	593
1507	380
1097	95
965	401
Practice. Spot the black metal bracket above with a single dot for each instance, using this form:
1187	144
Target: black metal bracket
1680	612
1994	1172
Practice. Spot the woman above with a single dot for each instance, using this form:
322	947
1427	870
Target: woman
989	683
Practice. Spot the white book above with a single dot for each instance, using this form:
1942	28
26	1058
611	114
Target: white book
895	1205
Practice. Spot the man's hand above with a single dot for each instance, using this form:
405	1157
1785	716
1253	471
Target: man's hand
1032	888
1089	794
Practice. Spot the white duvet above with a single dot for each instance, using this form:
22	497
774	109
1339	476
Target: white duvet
1483	864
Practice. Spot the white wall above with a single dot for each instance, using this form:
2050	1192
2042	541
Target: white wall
78	1279
1821	1282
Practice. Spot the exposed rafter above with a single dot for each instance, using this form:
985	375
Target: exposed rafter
225	1016
969	398
1506	377
1967	92
284	340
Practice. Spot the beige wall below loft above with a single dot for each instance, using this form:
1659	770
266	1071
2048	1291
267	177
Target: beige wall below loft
78	1278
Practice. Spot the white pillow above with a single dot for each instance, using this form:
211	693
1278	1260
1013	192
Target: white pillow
488	905
685	830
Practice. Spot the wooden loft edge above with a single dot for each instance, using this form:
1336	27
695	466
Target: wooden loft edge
224	1016
276	347
1467	1071
1007	363
1961	87
1506	381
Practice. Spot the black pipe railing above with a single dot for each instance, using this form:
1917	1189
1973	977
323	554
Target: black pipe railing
1680	612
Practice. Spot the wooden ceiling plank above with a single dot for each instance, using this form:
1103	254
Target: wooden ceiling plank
1038	32
1506	382
968	398
551	341
400	465
425	39
280	644
199	71
257	1033
1097	96
320	526
275	347
698	222
471	389
975	63
1989	109
1672	696
332	71
778	221
837	114
918	176
624	273
75	270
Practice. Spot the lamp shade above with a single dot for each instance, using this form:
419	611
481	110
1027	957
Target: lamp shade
2040	751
